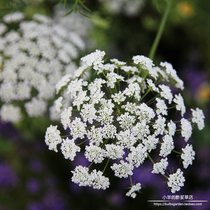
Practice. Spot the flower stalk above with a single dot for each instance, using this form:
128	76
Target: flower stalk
160	31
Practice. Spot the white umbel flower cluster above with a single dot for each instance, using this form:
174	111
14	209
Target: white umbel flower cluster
188	155
132	192
122	120
34	56
176	181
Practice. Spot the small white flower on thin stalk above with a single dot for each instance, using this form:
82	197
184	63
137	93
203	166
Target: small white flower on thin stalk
95	153
150	142
132	192
81	176
52	138
171	128
65	117
161	107
159	125
166	93
160	167
167	146
186	129
98	180
114	151
10	113
176	181
69	149
123	169
178	99
137	155
188	155
126	120
198	118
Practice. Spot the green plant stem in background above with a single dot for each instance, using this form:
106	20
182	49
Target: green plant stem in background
160	30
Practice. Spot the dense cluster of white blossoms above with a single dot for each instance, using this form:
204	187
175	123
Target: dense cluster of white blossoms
34	55
127	7
121	117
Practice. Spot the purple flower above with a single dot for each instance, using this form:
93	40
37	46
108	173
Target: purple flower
53	201
35	206
8	178
194	78
36	165
116	199
33	186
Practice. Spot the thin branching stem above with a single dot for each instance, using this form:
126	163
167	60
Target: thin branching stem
160	30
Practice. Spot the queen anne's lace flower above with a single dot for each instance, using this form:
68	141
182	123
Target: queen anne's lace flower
119	121
33	60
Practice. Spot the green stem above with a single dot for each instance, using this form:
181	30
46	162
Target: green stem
106	165
160	31
150	158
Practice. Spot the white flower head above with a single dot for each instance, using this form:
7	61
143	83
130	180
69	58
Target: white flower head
166	93
98	181
52	137
198	118
167	146
126	120
132	192
10	113
95	135
178	99
161	107
114	151
66	117
81	176
186	129
188	155
33	62
13	17
160	167
176	181
159	125
172	73
95	153
171	128
94	59
137	155
123	169
77	128
69	148
145	62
